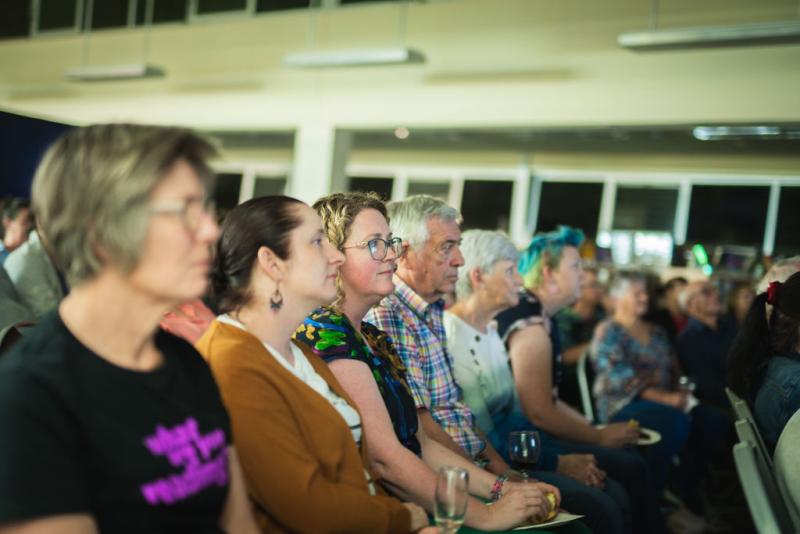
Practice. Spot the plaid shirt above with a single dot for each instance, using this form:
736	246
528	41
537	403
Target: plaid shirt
419	336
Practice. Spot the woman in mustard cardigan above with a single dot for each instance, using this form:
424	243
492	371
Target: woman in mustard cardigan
297	432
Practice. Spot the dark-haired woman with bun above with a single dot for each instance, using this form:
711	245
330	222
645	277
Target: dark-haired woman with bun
765	357
298	434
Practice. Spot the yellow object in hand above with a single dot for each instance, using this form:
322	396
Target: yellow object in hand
633	423
551	500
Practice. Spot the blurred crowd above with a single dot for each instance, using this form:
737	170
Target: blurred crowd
297	368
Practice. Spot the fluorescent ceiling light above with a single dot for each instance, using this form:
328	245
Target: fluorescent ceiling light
104	73
712	36
716	133
360	57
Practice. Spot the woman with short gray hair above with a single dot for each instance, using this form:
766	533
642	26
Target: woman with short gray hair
112	424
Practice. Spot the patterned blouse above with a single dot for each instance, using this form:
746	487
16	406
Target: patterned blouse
332	337
625	367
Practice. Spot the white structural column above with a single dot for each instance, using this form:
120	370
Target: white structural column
320	156
520	200
772	218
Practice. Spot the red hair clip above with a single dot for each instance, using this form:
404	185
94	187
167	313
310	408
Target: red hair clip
772	292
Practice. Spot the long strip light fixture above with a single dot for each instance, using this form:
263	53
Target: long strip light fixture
767	33
119	72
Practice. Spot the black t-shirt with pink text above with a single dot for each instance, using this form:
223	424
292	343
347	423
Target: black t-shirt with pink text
138	451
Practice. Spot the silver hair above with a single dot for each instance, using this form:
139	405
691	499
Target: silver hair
408	218
779	272
92	189
482	249
622	281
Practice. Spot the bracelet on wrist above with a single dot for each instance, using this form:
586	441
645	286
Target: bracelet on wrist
497	487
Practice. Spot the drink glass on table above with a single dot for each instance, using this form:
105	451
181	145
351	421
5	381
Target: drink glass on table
524	447
451	498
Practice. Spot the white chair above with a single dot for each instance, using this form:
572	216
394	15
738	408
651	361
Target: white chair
584	387
748	433
767	508
742	411
787	468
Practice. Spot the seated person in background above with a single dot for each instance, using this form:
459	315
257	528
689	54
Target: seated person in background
764	361
189	320
110	424
667	311
704	344
412	317
634	380
576	325
490	283
40	284
298	433
370	370
739	300
17	224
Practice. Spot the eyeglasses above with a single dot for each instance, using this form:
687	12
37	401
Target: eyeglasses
379	248
191	210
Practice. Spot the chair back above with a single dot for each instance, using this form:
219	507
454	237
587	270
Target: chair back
585	382
787	468
766	505
743	413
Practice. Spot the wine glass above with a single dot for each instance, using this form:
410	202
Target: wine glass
451	498
686	384
524	447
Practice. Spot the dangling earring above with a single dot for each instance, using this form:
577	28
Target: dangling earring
276	300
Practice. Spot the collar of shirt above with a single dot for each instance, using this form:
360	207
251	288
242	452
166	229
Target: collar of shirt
411	298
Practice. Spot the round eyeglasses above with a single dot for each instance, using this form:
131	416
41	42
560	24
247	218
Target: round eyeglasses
379	248
191	210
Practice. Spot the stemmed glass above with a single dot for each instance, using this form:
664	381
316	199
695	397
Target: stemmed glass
686	384
451	498
524	447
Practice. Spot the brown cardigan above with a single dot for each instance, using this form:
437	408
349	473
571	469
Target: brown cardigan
303	470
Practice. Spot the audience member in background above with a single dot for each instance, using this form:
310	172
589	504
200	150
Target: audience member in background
109	424
634	380
740	298
367	365
576	325
40	284
17	224
14	316
490	283
666	311
298	434
780	271
189	320
765	359
412	317
704	344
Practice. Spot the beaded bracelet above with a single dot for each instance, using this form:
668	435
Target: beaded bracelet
497	487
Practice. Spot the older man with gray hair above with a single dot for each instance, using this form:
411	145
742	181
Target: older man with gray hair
413	316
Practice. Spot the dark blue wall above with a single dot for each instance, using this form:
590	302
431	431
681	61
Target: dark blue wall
23	141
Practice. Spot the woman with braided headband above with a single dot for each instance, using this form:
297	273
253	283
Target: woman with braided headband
765	357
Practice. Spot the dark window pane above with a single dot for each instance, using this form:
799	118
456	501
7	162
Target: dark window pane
645	208
269	186
57	14
574	204
205	7
364	1
163	11
280	5
486	204
382	186
226	192
16	19
434	189
109	14
787	234
728	215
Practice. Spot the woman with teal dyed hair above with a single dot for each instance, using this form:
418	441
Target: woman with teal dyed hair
551	271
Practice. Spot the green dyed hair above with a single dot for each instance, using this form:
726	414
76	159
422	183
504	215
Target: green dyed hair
545	250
